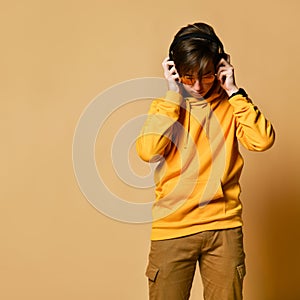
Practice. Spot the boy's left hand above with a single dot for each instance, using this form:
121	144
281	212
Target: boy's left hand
225	75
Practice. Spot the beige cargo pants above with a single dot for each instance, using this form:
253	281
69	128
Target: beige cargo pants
220	255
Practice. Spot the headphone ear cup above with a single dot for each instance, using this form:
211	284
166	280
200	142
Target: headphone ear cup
225	56
170	59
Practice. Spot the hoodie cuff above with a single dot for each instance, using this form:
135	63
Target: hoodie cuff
240	102
239	92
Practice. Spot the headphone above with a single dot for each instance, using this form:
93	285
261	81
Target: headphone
202	36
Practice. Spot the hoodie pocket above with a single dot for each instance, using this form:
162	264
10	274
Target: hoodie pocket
211	190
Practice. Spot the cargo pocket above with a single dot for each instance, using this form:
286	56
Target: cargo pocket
241	270
152	272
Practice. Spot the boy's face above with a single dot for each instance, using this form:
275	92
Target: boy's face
199	87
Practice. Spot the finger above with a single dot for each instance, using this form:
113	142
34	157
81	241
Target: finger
168	65
223	76
175	76
166	59
168	69
226	80
223	63
223	67
172	69
171	75
228	70
220	73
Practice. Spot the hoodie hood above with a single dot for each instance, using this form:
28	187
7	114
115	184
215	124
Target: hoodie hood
200	109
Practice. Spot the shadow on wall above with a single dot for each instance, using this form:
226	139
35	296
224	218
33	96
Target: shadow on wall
281	230
275	218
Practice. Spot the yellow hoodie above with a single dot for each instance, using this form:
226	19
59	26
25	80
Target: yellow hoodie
195	143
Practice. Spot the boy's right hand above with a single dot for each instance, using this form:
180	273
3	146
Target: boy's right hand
171	75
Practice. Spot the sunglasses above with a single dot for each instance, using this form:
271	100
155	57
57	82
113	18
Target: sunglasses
190	79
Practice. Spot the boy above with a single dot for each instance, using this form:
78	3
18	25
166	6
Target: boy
193	133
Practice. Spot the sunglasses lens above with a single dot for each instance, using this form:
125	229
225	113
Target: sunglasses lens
187	80
208	79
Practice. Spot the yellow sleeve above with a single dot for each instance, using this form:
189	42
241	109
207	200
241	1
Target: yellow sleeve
155	138
254	131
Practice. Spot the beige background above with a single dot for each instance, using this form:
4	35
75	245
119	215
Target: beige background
56	56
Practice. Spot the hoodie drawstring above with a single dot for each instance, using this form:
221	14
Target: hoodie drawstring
204	123
189	110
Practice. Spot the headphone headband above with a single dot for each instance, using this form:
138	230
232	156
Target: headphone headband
195	35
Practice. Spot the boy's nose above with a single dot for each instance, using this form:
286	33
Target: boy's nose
197	85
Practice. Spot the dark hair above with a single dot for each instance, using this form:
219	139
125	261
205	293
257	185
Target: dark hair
194	46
